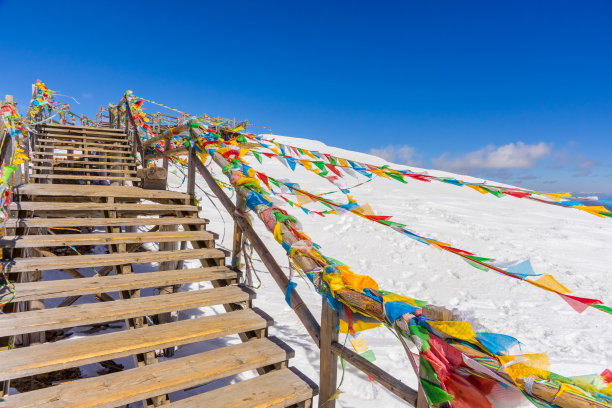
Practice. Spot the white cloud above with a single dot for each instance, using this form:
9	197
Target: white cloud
397	154
510	156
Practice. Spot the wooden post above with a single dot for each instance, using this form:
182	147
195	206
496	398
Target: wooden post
328	360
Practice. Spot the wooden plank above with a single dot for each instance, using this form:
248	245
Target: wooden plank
128	386
100	222
48	357
56	155
49	143
57	162
76	128
79	177
30	241
57	169
50	150
91	313
86	261
61	206
277	389
96	191
53	136
98	284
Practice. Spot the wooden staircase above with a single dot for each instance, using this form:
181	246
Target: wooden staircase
81	199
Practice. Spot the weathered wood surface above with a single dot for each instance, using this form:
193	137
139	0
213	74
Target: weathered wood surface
85	350
277	389
98	284
61	206
92	313
57	169
101	222
86	261
29	241
108	152
75	145
80	177
57	155
128	386
78	137
81	129
95	191
57	162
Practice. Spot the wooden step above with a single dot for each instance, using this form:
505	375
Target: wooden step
54	156
118	151
82	128
91	313
98	238
77	137
125	387
79	177
50	142
86	261
82	170
57	162
114	283
95	191
276	389
48	357
61	206
72	145
100	222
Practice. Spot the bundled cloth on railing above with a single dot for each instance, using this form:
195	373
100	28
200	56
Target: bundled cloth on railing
14	128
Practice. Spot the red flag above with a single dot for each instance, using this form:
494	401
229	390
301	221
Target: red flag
517	194
580	304
334	169
263	178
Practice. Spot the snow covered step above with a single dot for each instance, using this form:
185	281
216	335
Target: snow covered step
48	357
136	384
114	283
277	389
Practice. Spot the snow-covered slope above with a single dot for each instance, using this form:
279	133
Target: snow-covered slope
572	245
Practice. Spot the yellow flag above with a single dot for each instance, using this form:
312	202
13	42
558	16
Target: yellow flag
278	236
477	188
460	330
526	365
365	209
548	282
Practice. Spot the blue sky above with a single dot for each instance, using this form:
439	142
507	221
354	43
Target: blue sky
517	91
